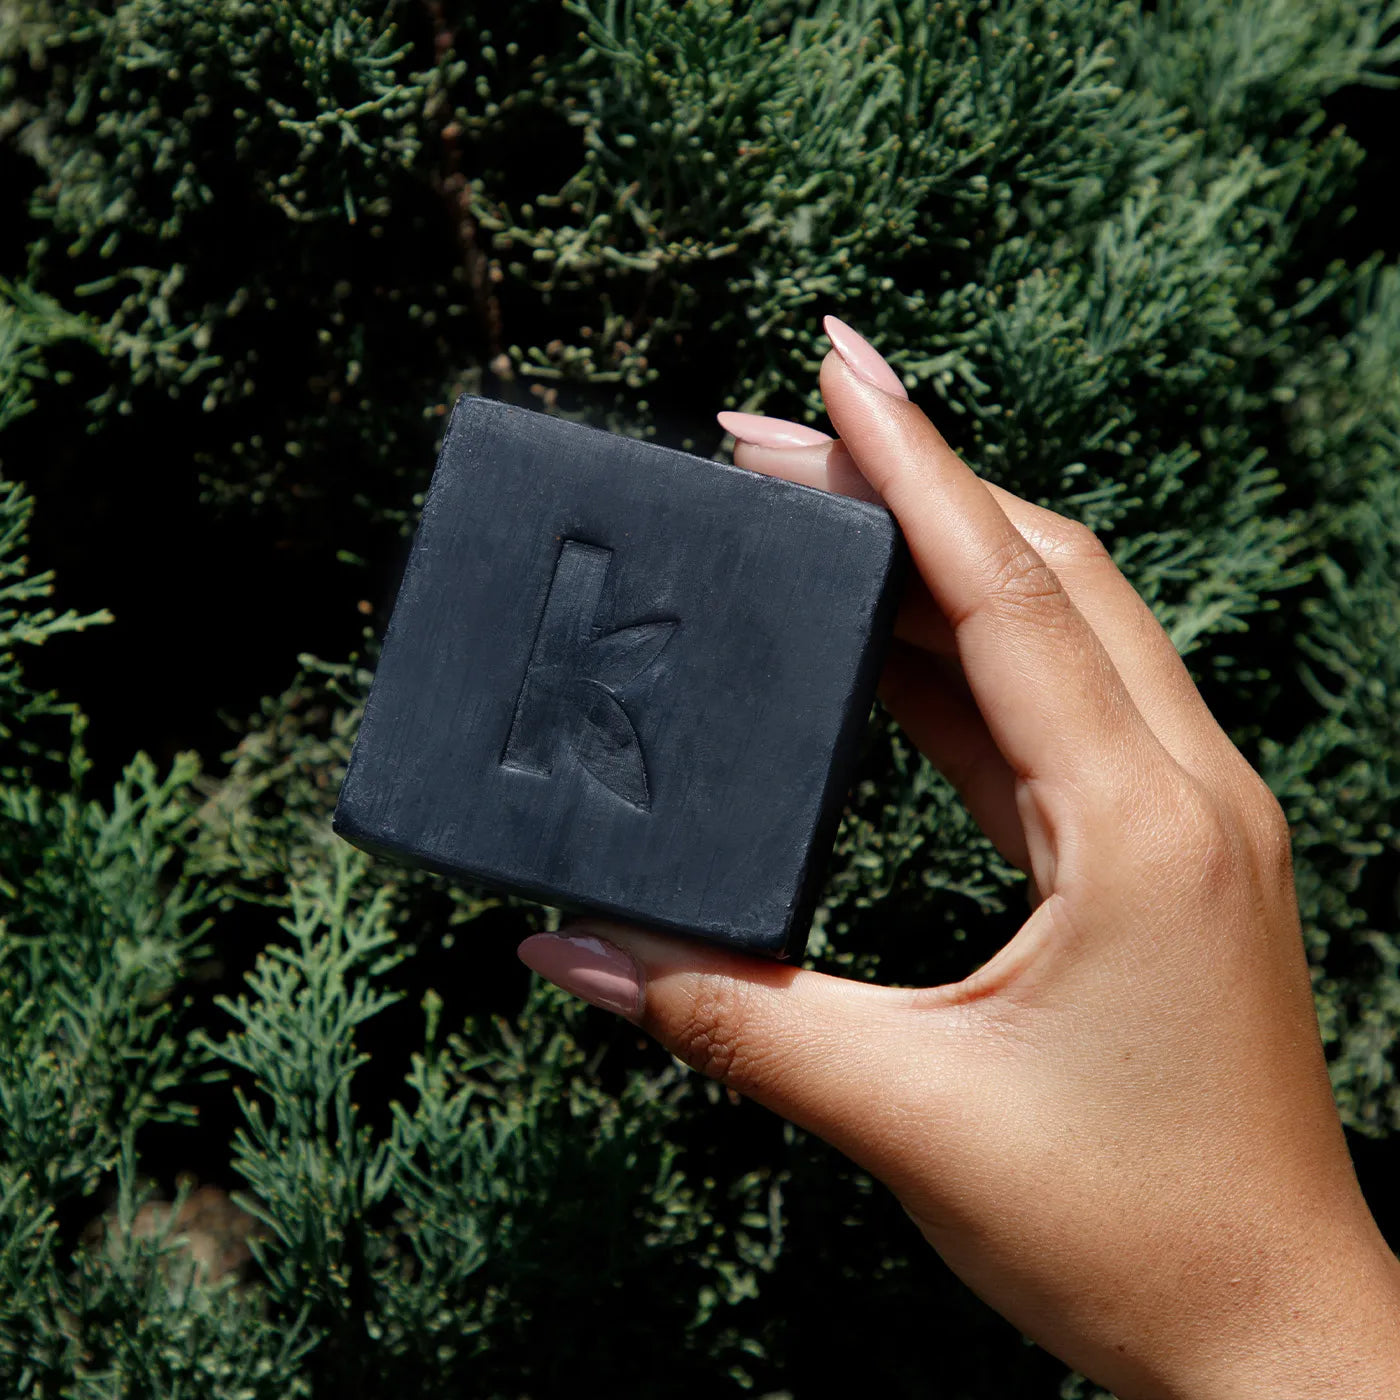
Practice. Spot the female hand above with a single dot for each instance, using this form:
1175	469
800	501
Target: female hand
1119	1131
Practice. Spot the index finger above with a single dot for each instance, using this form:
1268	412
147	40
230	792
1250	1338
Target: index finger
1051	697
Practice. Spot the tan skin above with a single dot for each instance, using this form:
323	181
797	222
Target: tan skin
1119	1131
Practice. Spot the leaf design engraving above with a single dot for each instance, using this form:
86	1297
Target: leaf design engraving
609	748
618	657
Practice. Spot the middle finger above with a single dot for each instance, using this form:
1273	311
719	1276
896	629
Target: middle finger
1152	670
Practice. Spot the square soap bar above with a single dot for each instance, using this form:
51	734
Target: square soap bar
625	680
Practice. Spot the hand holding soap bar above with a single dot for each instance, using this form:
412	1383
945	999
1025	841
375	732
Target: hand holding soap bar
623	679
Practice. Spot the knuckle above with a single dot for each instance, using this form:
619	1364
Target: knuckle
1226	843
1076	543
1018	579
712	1036
1212	848
1191	834
1269	834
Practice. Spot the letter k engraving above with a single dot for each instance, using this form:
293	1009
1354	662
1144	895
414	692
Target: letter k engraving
569	695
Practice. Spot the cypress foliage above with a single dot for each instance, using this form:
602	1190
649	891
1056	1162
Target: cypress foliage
250	254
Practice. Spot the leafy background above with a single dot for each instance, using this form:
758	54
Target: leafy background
1134	260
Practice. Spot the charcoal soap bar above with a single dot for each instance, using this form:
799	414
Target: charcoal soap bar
624	680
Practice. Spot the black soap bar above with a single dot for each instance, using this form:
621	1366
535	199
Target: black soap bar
626	680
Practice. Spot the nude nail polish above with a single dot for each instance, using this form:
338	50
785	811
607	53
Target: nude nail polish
584	966
862	358
761	431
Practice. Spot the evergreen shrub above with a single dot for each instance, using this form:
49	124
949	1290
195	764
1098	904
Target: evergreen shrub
249	254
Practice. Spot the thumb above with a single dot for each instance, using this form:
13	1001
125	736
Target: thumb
846	1060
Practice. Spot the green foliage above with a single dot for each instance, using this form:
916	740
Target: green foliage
24	624
1338	778
136	1322
89	953
95	936
27	324
503	1150
1110	247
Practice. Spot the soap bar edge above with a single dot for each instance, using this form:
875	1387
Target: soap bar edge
846	751
347	827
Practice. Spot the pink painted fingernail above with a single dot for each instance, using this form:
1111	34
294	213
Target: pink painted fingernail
585	966
862	357
762	431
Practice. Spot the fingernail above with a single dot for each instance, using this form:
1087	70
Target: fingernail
761	431
587	967
862	357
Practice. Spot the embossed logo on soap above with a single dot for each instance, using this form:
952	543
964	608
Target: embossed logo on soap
569	697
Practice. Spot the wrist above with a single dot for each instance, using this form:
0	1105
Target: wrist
1320	1326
